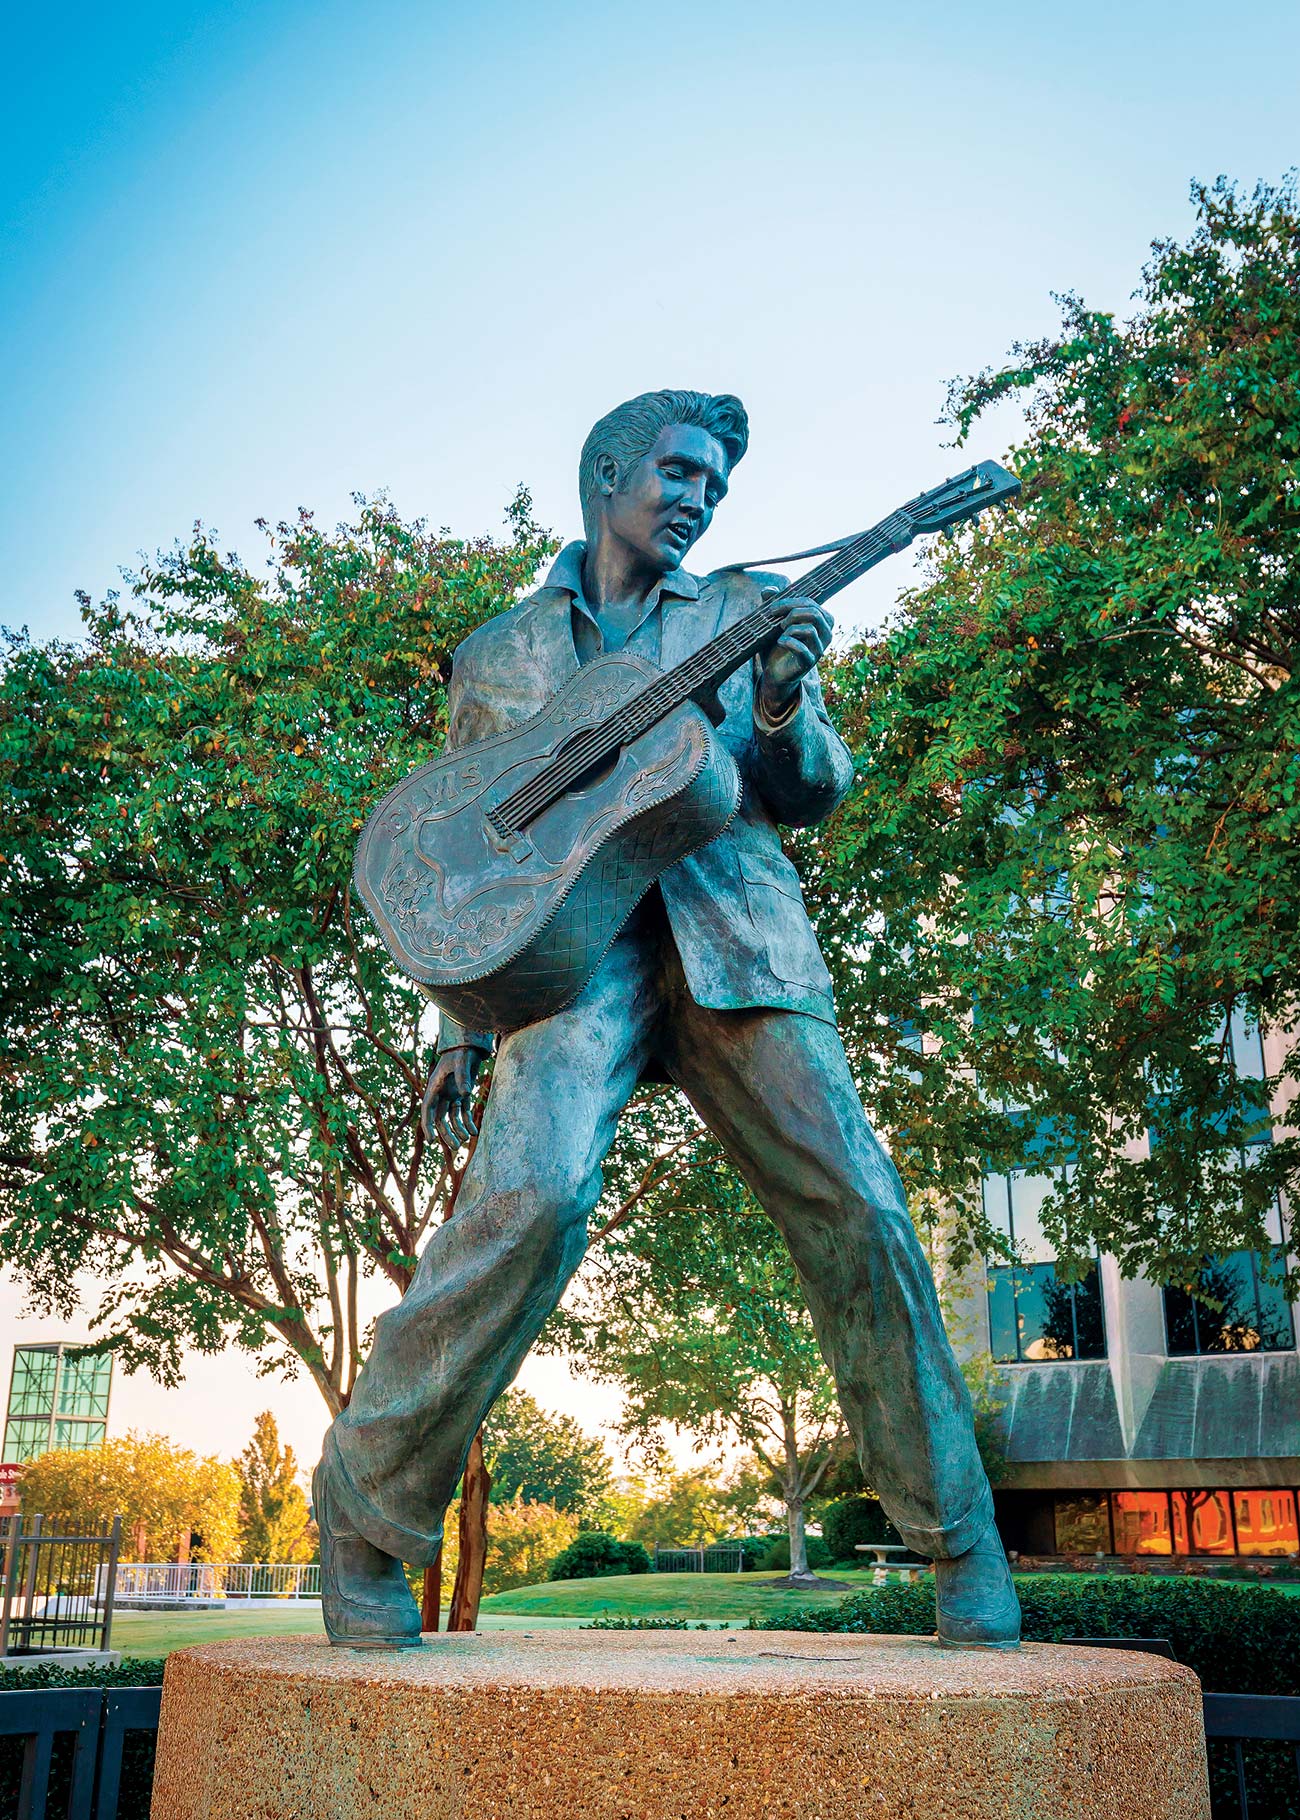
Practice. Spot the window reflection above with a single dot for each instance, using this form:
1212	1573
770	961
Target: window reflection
1083	1525
1266	1522
1142	1523
1032	1315
1231	1307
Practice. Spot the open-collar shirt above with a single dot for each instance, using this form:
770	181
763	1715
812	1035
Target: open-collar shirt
645	636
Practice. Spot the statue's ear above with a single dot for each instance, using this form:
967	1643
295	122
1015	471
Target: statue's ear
606	473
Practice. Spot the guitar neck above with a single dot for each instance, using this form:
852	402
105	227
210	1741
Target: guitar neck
714	662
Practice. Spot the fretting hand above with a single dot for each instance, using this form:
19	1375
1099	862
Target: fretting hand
804	635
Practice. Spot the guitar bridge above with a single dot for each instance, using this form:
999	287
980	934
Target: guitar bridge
507	839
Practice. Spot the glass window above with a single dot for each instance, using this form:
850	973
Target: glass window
1266	1522
1032	1316
83	1386
1202	1523
23	1439
78	1434
1252	1313
31	1389
1142	1523
1083	1525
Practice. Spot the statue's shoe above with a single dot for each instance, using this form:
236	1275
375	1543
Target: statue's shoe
365	1600
977	1603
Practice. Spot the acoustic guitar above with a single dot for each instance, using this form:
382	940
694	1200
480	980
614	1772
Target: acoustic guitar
499	873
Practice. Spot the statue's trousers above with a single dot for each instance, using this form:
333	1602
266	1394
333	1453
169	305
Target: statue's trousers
775	1088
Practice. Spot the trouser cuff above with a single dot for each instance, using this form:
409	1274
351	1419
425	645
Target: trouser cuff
952	1539
416	1547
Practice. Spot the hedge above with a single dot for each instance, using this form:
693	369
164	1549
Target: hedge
593	1554
1239	1639
777	1558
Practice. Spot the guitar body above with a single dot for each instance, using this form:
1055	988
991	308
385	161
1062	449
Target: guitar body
502	933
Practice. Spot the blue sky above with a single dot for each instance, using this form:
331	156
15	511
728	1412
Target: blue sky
256	257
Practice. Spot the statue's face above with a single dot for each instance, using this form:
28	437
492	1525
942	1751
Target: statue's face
666	502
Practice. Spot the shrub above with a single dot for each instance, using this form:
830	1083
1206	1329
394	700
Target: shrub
777	1558
852	1520
523	1540
1238	1639
593	1554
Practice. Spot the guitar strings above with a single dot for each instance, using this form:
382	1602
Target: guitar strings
645	709
670	690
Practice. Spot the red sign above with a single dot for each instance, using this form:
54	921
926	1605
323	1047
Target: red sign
9	1480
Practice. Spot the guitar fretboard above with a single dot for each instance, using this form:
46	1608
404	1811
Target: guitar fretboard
709	666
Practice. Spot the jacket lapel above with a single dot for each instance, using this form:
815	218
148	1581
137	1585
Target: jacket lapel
688	624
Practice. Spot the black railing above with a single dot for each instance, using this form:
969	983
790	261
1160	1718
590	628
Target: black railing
1244	1719
91	1724
57	1589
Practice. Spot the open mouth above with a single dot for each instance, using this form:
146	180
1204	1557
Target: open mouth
680	530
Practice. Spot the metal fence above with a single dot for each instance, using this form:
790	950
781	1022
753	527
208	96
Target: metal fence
1246	1719
96	1719
52	1585
724	1558
175	1582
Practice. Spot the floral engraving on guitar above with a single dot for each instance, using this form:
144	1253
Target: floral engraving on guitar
410	893
612	692
648	783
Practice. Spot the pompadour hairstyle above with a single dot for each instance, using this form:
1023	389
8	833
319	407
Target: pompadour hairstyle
630	429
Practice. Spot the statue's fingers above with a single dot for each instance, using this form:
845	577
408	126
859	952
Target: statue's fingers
446	1130
464	1121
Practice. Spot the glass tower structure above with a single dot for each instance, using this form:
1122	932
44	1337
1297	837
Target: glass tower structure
55	1400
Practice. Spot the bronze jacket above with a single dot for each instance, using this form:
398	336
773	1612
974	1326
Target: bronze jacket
735	906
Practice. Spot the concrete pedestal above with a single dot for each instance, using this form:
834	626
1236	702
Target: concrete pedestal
591	1725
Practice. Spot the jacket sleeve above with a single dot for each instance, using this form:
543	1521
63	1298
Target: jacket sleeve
801	768
469	717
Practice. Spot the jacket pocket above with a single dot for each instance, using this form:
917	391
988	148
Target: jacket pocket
776	910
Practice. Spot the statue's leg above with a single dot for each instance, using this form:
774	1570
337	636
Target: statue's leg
775	1088
491	1275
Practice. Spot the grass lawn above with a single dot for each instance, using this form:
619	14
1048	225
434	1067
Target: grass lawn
556	1605
721	1598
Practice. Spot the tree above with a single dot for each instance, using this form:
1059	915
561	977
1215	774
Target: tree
696	1312
168	1498
1068	872
686	1509
212	1072
273	1506
546	1459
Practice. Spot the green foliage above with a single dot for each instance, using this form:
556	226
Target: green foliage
852	1520
546	1459
754	1549
136	1671
524	1539
1239	1639
163	1494
273	1506
683	1510
592	1554
137	1747
212	1072
776	1557
1072	850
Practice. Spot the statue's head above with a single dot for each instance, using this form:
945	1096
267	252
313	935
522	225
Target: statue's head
653	471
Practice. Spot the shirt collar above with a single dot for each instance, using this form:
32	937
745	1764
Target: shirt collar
566	573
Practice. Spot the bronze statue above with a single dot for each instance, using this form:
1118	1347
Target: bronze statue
716	983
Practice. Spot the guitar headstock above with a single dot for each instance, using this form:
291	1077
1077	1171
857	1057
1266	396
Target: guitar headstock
964	496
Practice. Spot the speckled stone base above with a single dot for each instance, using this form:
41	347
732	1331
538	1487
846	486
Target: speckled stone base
590	1725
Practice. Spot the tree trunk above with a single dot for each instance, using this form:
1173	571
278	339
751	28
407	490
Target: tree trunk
473	1540
431	1603
798	1541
